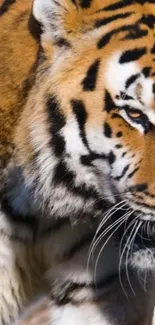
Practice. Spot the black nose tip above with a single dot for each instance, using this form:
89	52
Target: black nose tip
138	187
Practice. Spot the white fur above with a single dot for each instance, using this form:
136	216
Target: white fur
116	74
82	315
143	260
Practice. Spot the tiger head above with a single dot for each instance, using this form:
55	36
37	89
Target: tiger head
87	133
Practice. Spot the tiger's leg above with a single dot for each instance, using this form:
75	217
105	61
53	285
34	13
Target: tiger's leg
20	278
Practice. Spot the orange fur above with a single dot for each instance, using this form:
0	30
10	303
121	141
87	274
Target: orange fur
18	51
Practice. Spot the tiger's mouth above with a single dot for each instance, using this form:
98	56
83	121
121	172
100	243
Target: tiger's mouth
140	236
145	236
137	247
135	239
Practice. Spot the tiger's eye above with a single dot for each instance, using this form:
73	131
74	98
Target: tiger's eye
134	114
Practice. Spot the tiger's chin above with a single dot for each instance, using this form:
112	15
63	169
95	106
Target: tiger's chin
136	241
143	259
143	252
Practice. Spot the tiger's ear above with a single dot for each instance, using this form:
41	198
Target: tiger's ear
58	18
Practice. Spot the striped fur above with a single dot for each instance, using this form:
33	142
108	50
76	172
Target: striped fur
77	139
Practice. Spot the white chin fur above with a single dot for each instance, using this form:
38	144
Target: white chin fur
144	259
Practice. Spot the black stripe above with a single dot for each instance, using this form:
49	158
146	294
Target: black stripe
149	194
134	32
139	187
124	154
122	4
107	37
5	6
34	27
118	5
111	158
125	107
63	296
116	115
81	116
146	71
133	172
143	2
86	3
17	218
105	21
148	20
125	96
132	55
88	159
56	122
63	175
144	205
153	49
125	169
131	80
107	130
89	82
63	42
109	103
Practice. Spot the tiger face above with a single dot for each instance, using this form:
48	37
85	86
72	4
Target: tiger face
89	124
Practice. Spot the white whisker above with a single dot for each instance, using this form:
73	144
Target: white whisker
123	251
103	234
104	220
101	250
114	209
131	241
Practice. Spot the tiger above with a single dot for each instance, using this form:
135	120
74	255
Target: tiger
77	161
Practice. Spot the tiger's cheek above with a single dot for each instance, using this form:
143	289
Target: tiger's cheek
146	172
124	134
127	145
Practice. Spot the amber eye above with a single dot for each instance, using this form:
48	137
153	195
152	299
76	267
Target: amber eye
134	114
138	118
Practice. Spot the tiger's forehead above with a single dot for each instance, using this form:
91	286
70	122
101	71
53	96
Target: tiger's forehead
110	45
